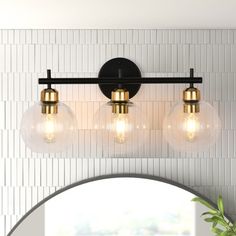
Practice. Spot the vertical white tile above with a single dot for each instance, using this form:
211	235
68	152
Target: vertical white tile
40	36
203	60
163	58
221	172
13	58
233	58
233	172
215	58
8	60
221	58
195	35
227	58
218	36
209	58
67	60
31	58
165	36
43	58
2	58
55	58
198	58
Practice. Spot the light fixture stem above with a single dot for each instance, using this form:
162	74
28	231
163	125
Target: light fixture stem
49	85
191	76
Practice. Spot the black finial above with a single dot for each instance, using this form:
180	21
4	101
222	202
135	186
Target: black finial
49	77
191	76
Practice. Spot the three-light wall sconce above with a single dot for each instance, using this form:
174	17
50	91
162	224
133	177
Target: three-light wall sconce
49	126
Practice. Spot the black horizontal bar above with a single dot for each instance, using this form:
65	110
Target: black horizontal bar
126	80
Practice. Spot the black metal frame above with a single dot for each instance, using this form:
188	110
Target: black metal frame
117	80
121	73
125	175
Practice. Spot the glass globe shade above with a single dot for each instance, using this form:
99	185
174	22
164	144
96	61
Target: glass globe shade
122	128
48	132
191	132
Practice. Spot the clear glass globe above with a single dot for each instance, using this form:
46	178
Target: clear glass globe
48	132
122	128
191	132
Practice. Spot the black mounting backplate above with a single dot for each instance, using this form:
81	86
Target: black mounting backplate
111	69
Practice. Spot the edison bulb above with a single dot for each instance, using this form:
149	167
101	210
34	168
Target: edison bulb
49	127
48	132
191	132
191	126
122	129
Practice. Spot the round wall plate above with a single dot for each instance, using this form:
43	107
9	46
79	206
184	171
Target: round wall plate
111	69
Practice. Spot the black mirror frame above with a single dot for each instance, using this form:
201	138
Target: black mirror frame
110	176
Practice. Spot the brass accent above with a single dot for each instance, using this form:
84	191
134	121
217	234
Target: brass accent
119	98
120	95
191	98
49	95
49	100
49	108
191	94
191	108
120	108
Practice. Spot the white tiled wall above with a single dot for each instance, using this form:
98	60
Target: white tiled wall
26	177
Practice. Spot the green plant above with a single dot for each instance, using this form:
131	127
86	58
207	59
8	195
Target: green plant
221	226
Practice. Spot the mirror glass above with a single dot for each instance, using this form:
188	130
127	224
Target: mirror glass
123	206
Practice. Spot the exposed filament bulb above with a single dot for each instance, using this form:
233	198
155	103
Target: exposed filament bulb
49	128
191	126
120	127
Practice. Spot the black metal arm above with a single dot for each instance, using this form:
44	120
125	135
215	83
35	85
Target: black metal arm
119	80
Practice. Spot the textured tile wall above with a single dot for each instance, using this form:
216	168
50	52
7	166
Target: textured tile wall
26	177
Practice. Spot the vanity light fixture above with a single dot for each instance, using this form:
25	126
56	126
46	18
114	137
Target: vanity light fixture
48	126
120	117
192	124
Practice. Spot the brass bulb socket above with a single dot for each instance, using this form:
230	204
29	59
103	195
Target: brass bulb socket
191	108
191	95
191	98
49	95
120	108
49	100
120	95
49	109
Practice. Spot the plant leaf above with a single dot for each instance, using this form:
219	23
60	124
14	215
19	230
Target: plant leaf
220	204
203	202
220	225
220	220
209	213
216	230
209	220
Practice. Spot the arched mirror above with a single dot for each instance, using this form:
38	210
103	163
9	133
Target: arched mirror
117	206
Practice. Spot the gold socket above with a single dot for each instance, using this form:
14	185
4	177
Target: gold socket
120	98
120	108
191	98
49	95
191	108
120	95
49	108
191	94
49	99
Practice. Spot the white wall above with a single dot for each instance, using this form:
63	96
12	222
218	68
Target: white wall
26	177
113	14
